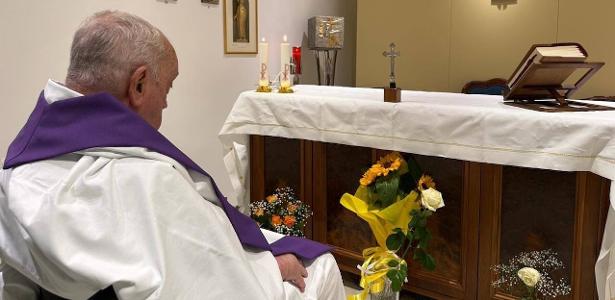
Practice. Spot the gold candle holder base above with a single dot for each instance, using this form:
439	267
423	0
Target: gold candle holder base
285	90
263	89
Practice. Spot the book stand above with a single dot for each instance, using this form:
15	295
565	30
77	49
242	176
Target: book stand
526	93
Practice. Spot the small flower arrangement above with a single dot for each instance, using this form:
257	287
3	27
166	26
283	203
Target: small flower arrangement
281	212
533	270
397	216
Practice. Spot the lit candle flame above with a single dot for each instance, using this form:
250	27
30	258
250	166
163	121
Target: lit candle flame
285	38
263	40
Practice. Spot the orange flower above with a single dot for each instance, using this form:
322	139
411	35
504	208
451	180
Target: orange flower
259	212
289	221
276	220
292	208
272	198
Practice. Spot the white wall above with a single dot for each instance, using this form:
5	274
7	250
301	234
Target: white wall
447	43
35	40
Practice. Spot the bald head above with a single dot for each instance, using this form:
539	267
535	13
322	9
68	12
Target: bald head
109	46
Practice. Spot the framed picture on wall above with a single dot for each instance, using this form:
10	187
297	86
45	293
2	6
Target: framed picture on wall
240	27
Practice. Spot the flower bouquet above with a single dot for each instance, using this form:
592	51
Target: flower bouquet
281	212
532	270
397	215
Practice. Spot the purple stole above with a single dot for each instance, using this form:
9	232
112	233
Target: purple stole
100	120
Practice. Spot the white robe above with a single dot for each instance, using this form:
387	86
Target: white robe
136	220
139	221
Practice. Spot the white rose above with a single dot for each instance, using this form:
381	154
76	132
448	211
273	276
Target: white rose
529	276
432	199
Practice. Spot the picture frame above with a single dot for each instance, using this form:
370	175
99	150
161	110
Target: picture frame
240	26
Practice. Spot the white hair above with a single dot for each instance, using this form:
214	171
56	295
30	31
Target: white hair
109	46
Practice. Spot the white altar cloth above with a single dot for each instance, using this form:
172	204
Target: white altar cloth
476	128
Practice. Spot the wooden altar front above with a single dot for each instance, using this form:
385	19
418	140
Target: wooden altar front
505	173
492	213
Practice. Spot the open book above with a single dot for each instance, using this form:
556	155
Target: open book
549	53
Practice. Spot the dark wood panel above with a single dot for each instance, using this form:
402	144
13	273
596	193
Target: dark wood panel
511	210
447	228
344	167
257	168
529	209
283	164
535	216
490	207
592	201
446	244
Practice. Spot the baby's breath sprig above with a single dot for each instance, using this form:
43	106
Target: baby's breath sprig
281	212
544	261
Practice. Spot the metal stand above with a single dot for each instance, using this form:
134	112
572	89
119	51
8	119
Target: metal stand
325	64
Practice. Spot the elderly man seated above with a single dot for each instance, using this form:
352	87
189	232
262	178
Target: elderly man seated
93	198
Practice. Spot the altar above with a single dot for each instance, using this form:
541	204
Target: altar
513	180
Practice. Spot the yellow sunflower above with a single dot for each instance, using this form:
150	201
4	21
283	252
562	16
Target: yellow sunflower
370	175
390	162
426	182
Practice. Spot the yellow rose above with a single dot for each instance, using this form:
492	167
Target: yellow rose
432	199
529	276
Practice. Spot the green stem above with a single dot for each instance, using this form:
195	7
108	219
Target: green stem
407	248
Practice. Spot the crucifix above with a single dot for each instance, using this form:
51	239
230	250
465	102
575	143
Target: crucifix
392	93
392	54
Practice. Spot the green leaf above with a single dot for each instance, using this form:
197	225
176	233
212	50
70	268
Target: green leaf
394	241
392	274
412	222
419	233
413	168
419	254
393	263
429	262
404	269
425	239
387	190
396	285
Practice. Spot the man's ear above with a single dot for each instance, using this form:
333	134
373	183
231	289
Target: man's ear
136	86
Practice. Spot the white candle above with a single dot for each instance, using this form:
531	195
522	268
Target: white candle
263	69
285	63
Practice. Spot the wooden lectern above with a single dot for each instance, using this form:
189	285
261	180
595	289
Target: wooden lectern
542	83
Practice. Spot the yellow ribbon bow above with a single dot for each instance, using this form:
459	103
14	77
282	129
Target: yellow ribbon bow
374	270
